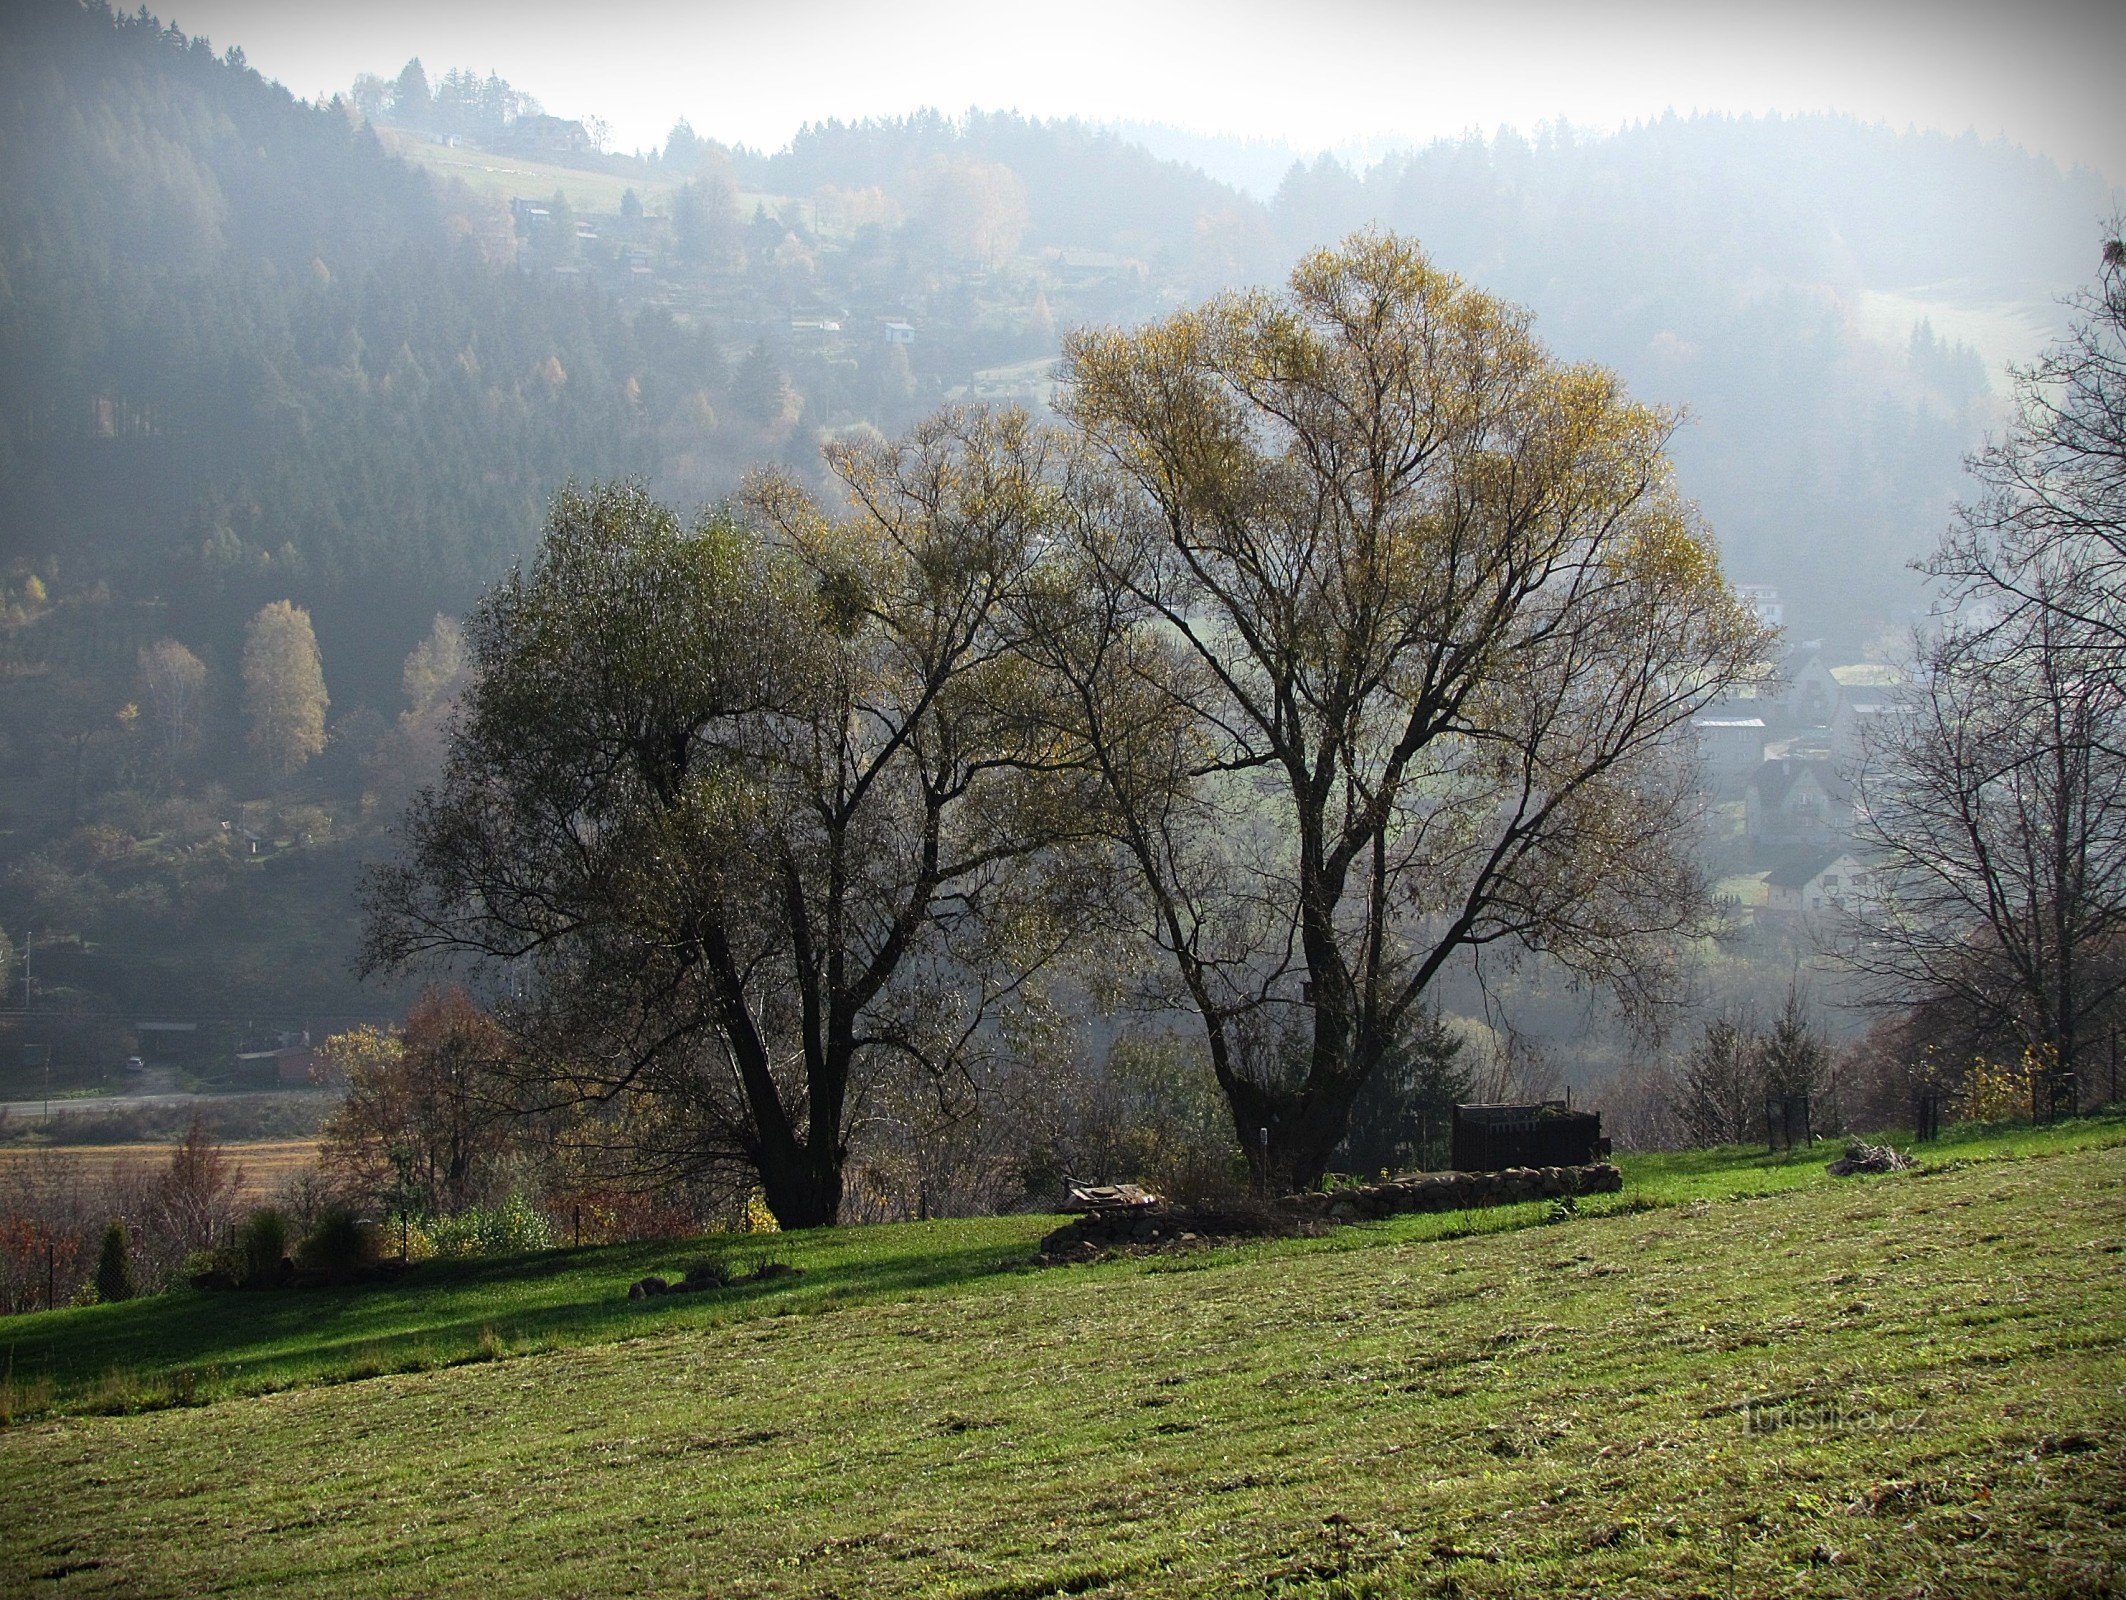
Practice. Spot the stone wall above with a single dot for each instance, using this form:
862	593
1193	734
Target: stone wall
1458	1191
1158	1225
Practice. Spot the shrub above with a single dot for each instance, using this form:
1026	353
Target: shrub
340	1247
262	1246
114	1267
511	1228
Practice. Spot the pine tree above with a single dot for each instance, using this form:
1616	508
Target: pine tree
1795	1060
1402	1116
411	102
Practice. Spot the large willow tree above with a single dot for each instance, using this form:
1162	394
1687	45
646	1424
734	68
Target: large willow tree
743	817
1385	631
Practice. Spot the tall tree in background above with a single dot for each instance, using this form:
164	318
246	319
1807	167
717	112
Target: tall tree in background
175	680
427	1118
411	101
1794	1056
435	667
705	209
974	211
1995	814
1720	1098
2047	528
1404	1112
1386	635
1997	808
284	688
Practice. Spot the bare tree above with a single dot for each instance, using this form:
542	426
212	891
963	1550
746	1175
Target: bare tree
1385	634
1997	809
1996	816
175	680
2047	528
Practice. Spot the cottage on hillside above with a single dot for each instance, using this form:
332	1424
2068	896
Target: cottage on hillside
1798	801
1820	883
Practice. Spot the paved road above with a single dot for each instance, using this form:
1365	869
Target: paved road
34	1109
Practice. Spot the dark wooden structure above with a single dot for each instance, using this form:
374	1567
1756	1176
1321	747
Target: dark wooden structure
1927	1106
1543	1133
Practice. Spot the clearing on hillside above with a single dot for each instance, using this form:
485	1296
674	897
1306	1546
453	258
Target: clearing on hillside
1904	1384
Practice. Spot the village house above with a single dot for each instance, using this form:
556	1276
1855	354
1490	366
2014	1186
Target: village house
1863	709
1809	698
1763	602
544	135
293	1064
1820	883
1797	800
1731	745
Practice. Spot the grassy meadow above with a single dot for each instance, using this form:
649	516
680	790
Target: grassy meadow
1737	1377
510	176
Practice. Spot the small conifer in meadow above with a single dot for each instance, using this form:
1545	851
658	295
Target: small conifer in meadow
114	1268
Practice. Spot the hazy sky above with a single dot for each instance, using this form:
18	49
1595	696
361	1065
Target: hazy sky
1332	72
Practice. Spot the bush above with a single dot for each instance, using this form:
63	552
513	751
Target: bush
341	1247
262	1246
511	1228
114	1268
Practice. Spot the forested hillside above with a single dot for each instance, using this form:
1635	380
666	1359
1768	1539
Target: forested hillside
1802	287
254	350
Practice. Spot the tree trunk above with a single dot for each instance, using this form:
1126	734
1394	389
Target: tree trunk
802	1191
1290	1135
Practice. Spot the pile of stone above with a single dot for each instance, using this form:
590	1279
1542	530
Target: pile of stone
1098	1232
1122	1216
1458	1191
1860	1157
705	1275
1112	1220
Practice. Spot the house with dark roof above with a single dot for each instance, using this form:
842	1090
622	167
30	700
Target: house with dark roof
1798	800
1808	695
1818	883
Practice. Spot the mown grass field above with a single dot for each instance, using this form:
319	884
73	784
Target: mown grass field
522	177
1895	1385
263	1166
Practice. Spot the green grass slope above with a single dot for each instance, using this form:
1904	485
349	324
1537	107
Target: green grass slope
1909	1384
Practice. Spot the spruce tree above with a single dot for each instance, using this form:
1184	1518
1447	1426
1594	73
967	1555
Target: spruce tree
114	1268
